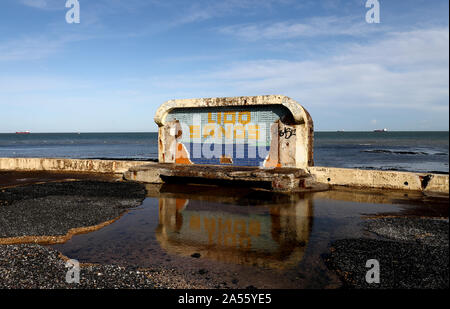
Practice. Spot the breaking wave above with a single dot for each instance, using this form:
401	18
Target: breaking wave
405	152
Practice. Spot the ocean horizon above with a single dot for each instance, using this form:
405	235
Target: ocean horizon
113	132
415	151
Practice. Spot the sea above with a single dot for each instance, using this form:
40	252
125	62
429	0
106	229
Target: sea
396	151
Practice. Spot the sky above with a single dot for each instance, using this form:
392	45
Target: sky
111	71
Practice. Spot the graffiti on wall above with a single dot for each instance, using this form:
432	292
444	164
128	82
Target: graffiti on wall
228	135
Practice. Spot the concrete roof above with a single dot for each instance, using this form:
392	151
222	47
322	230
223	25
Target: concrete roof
298	112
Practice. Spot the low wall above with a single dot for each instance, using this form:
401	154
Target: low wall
68	165
381	179
328	175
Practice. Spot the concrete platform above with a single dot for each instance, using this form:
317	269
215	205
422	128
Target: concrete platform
280	179
276	179
67	165
375	179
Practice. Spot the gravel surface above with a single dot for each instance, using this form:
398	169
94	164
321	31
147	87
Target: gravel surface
417	255
34	266
52	209
31	266
427	231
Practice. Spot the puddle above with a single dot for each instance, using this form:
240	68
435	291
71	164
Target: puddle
236	238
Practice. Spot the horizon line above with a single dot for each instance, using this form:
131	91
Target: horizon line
112	132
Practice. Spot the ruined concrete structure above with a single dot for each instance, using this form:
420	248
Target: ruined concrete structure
264	131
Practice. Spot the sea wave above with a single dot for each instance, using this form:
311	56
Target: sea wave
399	169
404	152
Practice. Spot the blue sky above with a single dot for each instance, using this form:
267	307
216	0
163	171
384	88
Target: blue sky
110	72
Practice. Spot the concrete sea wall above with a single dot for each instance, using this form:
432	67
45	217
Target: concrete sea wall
68	165
381	179
355	178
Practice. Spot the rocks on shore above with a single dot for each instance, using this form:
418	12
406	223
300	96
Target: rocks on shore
415	256
52	209
34	266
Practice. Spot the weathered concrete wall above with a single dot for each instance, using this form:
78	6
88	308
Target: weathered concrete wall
240	128
150	173
381	179
281	180
68	165
299	114
145	173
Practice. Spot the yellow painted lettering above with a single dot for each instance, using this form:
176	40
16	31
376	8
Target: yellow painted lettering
253	131
195	131
248	117
226	118
240	135
208	130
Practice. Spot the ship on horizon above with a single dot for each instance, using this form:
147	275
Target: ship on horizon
23	132
380	130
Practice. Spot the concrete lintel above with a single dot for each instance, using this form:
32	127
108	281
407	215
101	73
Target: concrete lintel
298	112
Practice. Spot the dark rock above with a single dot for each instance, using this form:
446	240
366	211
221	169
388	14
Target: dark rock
38	267
52	209
402	265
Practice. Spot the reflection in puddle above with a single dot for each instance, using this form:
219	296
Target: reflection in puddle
250	237
273	237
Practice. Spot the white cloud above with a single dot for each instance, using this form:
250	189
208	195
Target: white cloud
37	47
397	72
318	26
205	10
38	84
35	3
28	48
45	4
427	47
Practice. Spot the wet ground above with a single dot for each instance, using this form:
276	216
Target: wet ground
11	179
225	237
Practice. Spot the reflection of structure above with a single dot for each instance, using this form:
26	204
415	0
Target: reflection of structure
272	236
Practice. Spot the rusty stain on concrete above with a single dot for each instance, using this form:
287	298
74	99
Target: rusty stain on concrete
226	160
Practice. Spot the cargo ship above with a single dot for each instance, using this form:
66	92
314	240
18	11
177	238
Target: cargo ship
23	132
380	130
